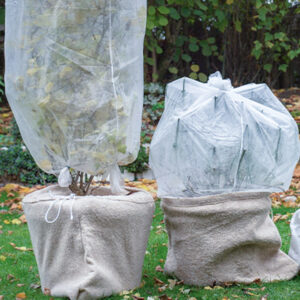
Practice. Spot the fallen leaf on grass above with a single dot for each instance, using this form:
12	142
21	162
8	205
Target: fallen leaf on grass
164	297
172	283
290	204
158	281
159	269
23	219
2	258
6	222
125	293
10	277
16	206
16	222
137	297
142	284
1	297
47	292
217	287
20	248
162	288
265	297
145	184
21	296
20	284
255	289
250	294
184	291
10	187
35	286
23	249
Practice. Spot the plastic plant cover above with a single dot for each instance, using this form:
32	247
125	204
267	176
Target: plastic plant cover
74	80
213	138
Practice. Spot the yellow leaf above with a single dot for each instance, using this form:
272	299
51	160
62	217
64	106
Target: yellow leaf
5	115
207	288
25	190
32	71
10	187
49	87
2	258
22	249
217	287
44	102
65	71
16	222
229	2
45	164
6	222
124	293
21	296
195	68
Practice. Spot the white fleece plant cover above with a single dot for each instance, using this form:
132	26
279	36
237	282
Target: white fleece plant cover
74	80
214	138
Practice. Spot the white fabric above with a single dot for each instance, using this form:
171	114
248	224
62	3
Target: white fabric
213	138
294	251
74	80
98	253
64	178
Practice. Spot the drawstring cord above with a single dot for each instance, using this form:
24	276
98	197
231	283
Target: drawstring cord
60	200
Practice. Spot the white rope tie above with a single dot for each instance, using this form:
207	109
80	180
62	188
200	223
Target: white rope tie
60	200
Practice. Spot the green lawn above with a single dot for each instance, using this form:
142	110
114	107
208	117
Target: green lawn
19	268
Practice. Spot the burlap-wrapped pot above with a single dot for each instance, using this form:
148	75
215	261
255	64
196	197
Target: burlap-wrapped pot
96	245
224	238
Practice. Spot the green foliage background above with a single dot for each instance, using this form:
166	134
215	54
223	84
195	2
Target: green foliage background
248	40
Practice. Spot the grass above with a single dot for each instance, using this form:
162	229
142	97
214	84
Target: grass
19	268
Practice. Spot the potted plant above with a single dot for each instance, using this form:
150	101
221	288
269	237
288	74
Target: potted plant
74	79
217	154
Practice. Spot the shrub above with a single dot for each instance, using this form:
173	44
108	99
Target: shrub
141	163
248	40
16	164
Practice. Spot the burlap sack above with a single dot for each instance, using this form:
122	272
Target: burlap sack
97	253
224	238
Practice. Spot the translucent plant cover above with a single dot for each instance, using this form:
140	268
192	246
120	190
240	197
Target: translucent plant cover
214	139
74	79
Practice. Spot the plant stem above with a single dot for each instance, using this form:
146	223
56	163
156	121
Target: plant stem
78	187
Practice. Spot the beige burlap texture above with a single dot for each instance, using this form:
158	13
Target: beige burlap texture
97	253
224	238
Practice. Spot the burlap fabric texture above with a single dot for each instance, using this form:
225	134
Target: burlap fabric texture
96	246
224	238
